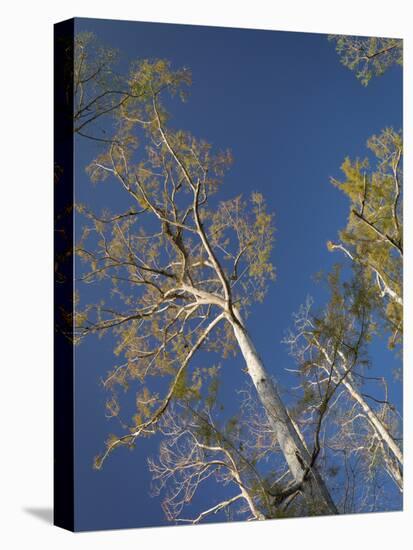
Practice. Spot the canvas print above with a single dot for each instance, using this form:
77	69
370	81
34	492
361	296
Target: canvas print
228	274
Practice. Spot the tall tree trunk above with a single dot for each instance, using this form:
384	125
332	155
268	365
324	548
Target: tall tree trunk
382	433
374	420
345	377
290	440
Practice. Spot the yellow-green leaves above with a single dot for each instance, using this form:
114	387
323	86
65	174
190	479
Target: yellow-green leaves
368	57
243	232
173	260
373	237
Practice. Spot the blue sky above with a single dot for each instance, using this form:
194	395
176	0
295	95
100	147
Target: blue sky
290	113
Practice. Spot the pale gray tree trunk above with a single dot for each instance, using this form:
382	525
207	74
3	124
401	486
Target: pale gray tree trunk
347	381
344	377
290	440
374	420
382	433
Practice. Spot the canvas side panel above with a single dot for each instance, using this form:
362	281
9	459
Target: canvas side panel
63	276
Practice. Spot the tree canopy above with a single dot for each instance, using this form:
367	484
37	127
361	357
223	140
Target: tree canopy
373	237
176	274
368	56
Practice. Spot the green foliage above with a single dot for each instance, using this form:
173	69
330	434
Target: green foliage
347	319
96	84
213	387
176	257
170	237
373	237
188	386
147	76
368	57
244	232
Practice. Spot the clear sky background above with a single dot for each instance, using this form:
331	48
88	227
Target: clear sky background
290	113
